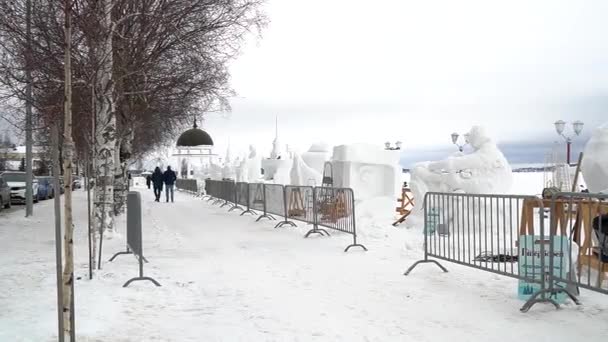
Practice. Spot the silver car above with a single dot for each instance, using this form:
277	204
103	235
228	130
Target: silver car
16	181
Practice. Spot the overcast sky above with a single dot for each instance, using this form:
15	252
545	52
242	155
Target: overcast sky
346	71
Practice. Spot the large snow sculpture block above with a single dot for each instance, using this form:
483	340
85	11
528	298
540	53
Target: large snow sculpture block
484	171
316	156
595	160
275	169
369	170
304	175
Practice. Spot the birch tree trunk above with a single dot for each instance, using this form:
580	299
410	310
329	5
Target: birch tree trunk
121	178
105	125
68	150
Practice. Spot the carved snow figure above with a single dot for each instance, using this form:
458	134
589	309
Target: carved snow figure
302	174
254	166
595	161
484	171
317	155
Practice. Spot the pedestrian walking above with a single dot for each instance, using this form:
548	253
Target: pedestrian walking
157	180
169	178
148	180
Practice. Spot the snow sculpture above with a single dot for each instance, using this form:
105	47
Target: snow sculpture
215	171
595	160
242	175
253	166
484	171
371	171
302	174
228	171
317	155
276	169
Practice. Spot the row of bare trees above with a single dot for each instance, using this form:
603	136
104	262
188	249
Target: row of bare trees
120	76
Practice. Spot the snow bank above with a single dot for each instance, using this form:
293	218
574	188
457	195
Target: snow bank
595	160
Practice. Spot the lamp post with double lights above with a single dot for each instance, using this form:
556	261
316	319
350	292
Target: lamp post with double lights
577	128
455	137
388	147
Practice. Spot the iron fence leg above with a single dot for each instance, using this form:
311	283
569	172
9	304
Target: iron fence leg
425	262
119	253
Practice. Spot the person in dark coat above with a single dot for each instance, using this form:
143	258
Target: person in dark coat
169	178
148	180
157	180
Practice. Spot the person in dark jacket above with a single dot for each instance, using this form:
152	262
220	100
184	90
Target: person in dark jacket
169	177
157	181
148	180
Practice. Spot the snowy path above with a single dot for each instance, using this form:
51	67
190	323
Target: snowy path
226	278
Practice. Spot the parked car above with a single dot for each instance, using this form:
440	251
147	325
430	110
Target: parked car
16	181
46	188
5	194
76	183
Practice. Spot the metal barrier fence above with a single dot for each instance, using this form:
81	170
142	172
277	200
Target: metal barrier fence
274	195
242	197
134	236
227	194
500	234
257	200
332	208
187	185
579	227
299	203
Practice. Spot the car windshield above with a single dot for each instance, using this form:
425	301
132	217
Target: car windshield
14	177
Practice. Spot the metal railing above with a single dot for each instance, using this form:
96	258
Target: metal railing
299	203
500	234
578	236
334	208
276	203
134	236
323	207
187	185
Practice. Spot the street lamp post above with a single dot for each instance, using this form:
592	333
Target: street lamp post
388	147
560	127
455	137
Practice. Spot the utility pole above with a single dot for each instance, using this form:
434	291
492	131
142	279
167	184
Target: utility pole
29	175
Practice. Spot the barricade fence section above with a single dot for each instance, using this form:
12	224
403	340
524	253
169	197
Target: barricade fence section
274	194
335	209
227	195
134	236
256	197
332	208
579	234
299	203
187	185
500	234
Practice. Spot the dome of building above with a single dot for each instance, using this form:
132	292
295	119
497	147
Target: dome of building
194	137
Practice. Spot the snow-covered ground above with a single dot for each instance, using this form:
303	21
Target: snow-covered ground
226	278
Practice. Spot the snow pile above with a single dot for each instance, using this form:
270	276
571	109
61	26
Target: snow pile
595	161
484	171
371	171
374	217
302	174
316	156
